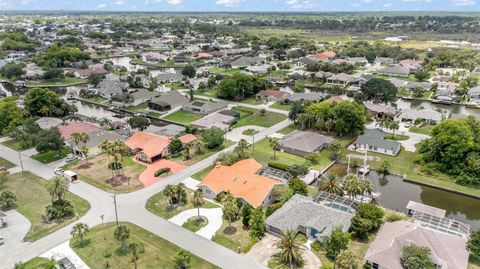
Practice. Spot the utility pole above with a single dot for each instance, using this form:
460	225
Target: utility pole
115	203
253	141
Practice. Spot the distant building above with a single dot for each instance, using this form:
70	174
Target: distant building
395	71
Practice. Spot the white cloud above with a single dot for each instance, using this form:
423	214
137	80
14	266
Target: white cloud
229	3
119	2
100	6
387	5
300	4
174	2
4	4
463	2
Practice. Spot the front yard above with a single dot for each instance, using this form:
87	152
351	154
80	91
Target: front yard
282	106
32	199
68	81
102	250
52	155
14	144
196	157
236	237
183	117
97	173
6	164
425	129
249	116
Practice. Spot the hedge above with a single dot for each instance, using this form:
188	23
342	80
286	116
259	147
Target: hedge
162	171
279	166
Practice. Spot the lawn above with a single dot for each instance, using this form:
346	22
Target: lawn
6	164
175	86
263	153
158	252
139	107
223	71
68	81
34	263
200	156
183	117
236	238
32	199
194	224
426	130
97	173
288	129
249	116
203	173
52	155
282	106
14	144
252	101
397	137
158	205
209	92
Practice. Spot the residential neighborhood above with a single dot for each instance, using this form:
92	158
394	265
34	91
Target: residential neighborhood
228	139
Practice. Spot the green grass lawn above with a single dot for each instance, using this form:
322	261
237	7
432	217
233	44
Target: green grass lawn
97	252
288	129
473	262
137	108
223	71
203	173
397	137
200	156
158	205
426	130
403	93
252	101
282	106
68	81
183	117
209	92
6	164
52	155
249	116
32	199
35	263
194	224
14	144
175	86
235	237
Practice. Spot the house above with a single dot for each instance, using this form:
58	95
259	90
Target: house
203	107
271	95
341	79
412	64
395	71
84	73
314	97
357	60
398	83
187	139
384	60
96	138
169	130
148	147
447	251
303	143
109	88
374	140
77	127
168	101
46	123
154	57
204	56
33	72
446	91
316	217
357	83
245	61
324	56
424	86
258	69
414	207
429	116
474	95
169	77
381	110
140	96
242	181
218	119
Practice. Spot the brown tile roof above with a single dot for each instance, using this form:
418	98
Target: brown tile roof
187	138
241	180
150	144
274	93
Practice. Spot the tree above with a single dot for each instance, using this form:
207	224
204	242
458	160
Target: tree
53	73
242	149
197	201
297	108
298	88
421	75
331	184
153	84
169	191
13	71
48	140
336	242
50	264
175	146
379	90
368	218
394	125
213	137
84	150
246	213
473	244
275	145
122	233
384	167
345	260
189	71
77	137
7	200
138	122
182	259
298	186
290	249
135	249
351	185
79	231
349	118
336	150
383	122
57	188
60	56
94	79
415	257
44	102
11	116
230	208
240	86
365	187
257	223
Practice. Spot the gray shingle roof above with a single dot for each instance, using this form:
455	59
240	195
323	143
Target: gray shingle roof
305	141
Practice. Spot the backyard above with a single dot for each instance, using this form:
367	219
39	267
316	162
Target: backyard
32	199
183	117
102	248
249	116
97	173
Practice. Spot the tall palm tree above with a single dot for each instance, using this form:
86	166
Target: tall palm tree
275	145
345	259
169	191
230	208
242	149
122	233
394	125
382	122
180	191
188	151
80	230
351	185
58	187
197	201
331	184
135	249
105	147
366	187
84	150
290	249
79	137
303	119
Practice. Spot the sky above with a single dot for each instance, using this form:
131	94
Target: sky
244	5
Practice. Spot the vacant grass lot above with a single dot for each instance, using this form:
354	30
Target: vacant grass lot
52	155
249	116
32	199
97	173
158	205
235	237
183	117
158	252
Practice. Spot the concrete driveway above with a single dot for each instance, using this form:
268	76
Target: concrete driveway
237	133
15	231
214	216
64	251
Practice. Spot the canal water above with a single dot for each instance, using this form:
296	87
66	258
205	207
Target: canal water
395	194
451	109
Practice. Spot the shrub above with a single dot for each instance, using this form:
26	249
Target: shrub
162	171
7	200
393	218
272	208
59	209
298	170
279	166
316	246
228	158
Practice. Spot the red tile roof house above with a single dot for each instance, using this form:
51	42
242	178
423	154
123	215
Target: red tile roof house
77	127
271	95
84	73
324	56
148	147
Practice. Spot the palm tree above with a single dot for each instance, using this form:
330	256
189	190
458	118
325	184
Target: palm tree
384	167
394	125
58	187
180	191
230	208
122	233
382	122
105	147
275	145
290	249
345	259
199	146
135	249
182	259
303	119
197	201
79	231
331	184
366	187
169	191
329	124
242	149
79	137
188	151
84	150
351	185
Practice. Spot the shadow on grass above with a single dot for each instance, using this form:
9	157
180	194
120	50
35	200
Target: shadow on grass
230	230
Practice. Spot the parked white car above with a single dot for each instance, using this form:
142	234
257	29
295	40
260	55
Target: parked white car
71	158
58	171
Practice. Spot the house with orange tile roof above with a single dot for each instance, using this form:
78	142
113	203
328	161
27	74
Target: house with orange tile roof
148	147
326	55
242	181
187	138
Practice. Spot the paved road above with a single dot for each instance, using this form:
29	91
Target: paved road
131	208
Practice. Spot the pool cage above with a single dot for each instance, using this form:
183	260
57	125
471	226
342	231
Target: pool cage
336	202
275	174
444	225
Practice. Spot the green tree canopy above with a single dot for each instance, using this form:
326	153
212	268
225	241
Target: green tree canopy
13	70
213	137
44	102
240	86
379	90
415	257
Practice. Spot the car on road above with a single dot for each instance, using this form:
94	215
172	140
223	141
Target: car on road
58	171
71	158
